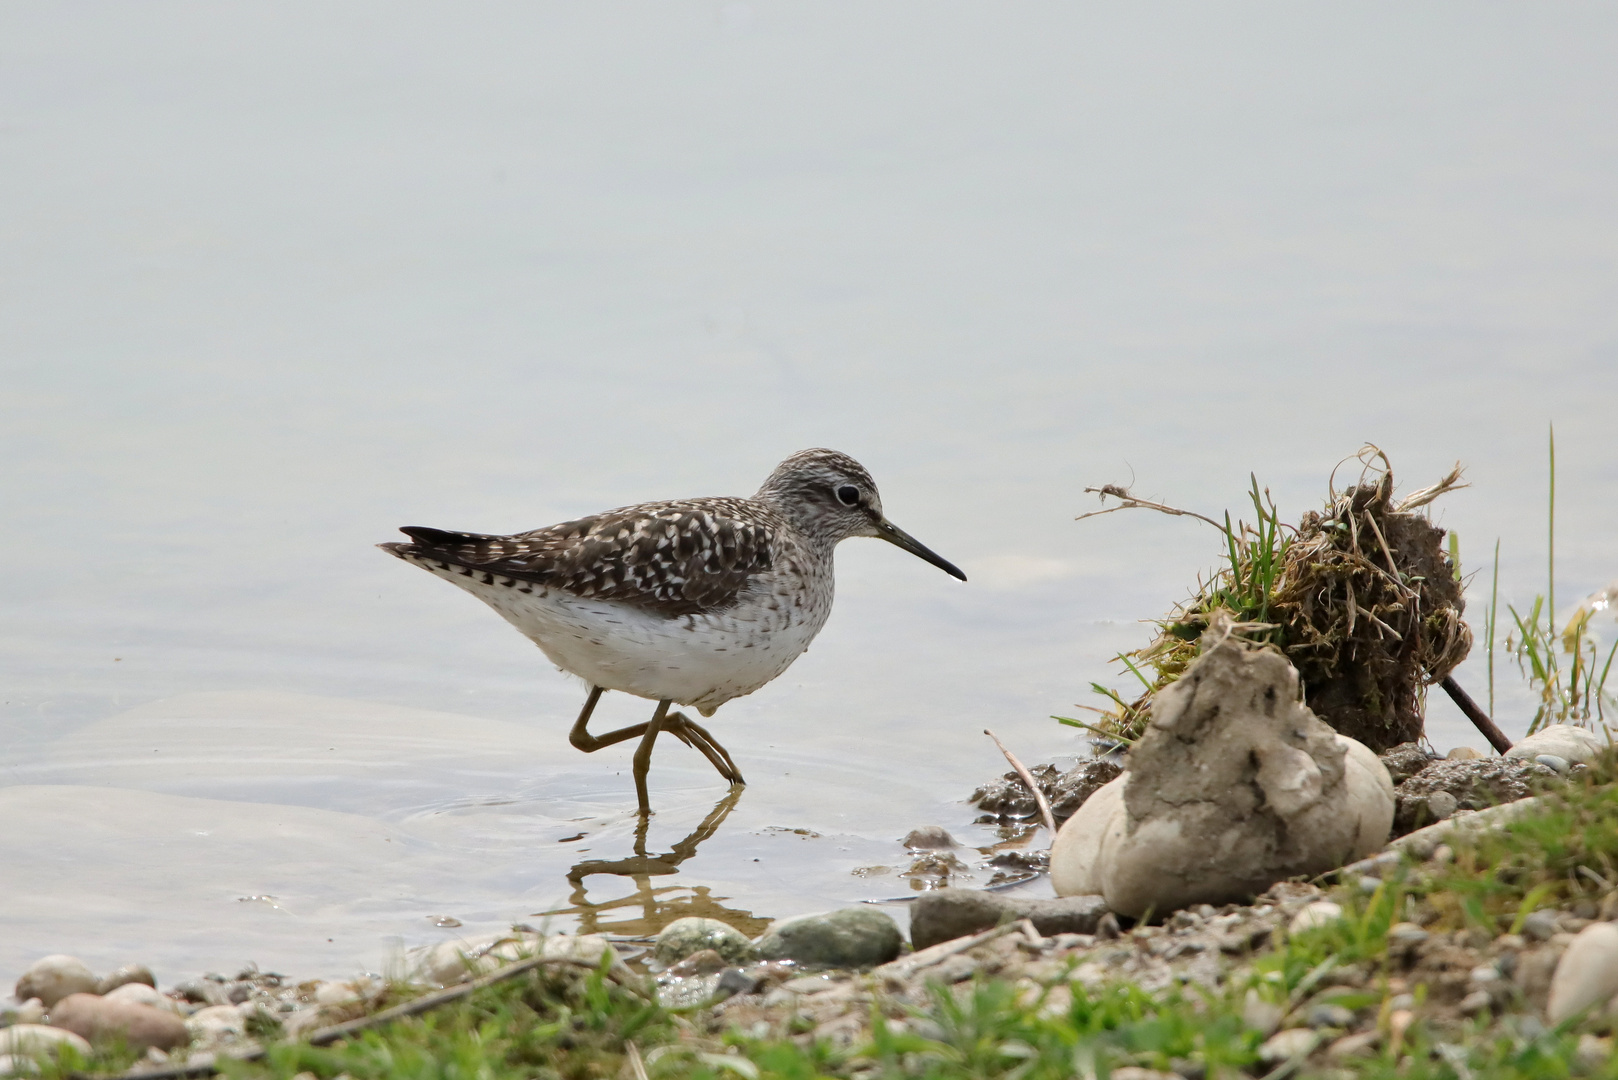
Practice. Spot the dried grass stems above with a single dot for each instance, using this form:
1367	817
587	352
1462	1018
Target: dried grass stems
1360	596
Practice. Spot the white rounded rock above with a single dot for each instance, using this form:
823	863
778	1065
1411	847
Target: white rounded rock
1587	973
1575	744
21	1040
1076	852
1320	913
54	977
1465	753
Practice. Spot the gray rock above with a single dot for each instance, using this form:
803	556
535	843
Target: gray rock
1539	925
97	1018
54	977
1473	783
1442	805
946	914
683	937
846	938
734	981
129	973
1405	760
1551	761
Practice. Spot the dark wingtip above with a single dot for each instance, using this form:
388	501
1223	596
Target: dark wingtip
394	549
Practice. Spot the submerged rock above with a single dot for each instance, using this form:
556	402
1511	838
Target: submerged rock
848	937
685	937
1234	786
946	914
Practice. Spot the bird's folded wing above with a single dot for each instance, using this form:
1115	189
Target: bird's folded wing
673	558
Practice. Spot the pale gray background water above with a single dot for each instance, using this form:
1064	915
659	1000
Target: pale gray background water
277	279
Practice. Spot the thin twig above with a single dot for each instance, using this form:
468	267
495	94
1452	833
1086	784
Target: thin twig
636	1065
1027	778
1130	502
1496	737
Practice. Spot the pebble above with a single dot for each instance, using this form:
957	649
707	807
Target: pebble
1539	925
930	838
1476	1002
1592	1054
1330	1015
27	1039
1351	1046
1260	1015
706	962
1554	761
334	993
1587	973
693	934
1293	1043
1442	805
137	993
216	1024
202	992
54	977
1406	935
129	973
1314	915
93	1017
941	915
849	937
734	981
1466	753
31	1011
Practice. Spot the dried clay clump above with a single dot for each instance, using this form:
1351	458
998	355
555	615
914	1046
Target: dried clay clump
1235	785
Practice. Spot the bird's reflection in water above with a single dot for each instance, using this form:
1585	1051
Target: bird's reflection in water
656	907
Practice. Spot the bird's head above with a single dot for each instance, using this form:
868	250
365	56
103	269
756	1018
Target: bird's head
831	497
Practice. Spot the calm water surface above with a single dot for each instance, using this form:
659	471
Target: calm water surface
274	282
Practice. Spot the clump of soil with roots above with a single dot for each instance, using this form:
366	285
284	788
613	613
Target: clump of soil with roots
1362	597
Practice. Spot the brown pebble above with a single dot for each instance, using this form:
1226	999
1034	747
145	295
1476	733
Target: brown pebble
92	1017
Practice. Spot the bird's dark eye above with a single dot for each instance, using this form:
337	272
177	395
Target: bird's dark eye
848	495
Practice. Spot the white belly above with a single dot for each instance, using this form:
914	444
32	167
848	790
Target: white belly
697	660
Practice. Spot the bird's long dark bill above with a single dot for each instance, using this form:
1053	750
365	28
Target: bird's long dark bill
896	536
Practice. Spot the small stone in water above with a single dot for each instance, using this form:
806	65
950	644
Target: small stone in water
929	838
446	921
